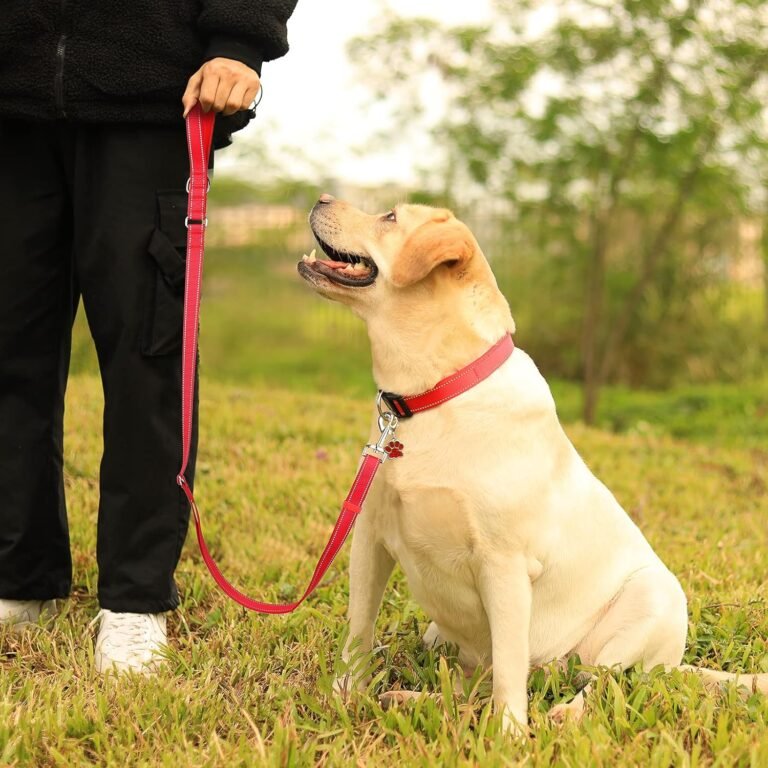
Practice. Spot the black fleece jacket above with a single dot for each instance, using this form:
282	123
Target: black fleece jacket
127	60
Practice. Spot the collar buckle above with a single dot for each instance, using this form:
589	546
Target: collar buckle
396	403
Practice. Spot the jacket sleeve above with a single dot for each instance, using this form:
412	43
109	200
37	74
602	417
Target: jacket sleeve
251	31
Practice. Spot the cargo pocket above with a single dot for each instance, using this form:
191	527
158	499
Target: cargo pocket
164	313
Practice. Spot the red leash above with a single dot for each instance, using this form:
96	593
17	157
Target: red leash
199	135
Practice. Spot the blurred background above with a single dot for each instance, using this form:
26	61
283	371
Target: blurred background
610	156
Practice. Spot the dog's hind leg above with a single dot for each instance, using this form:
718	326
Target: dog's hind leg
432	637
572	710
646	623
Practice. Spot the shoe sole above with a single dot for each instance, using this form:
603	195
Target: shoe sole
106	666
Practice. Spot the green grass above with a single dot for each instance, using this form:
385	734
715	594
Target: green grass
246	690
285	399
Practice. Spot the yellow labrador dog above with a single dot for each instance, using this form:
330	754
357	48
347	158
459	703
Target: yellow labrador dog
514	549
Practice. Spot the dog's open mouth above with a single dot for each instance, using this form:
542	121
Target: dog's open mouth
351	269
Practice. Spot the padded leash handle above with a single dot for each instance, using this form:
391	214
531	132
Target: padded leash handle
199	136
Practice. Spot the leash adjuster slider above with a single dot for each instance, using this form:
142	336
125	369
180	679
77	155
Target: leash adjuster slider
207	188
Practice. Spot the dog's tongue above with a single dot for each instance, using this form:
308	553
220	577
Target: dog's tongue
353	270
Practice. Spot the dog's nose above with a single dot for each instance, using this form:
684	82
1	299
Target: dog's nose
326	198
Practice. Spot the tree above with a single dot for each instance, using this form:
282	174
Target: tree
595	118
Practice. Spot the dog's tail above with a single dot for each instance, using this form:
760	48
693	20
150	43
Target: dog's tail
753	683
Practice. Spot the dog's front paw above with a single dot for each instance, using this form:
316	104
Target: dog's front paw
515	726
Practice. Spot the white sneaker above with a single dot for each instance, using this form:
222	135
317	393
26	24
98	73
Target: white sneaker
18	614
129	642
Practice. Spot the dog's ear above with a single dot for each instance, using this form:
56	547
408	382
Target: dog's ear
441	240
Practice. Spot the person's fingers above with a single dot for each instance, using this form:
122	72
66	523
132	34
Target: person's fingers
192	91
222	85
237	99
209	89
227	82
251	93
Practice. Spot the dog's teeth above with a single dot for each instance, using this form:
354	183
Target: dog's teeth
312	256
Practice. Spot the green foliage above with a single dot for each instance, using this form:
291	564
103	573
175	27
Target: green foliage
243	690
629	139
722	414
230	190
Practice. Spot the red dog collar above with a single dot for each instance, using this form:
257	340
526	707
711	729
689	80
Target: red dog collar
406	406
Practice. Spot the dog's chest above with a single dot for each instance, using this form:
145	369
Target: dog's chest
433	525
431	534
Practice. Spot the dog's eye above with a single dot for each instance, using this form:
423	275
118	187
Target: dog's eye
391	216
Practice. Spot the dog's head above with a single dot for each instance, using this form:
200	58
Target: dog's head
372	258
415	274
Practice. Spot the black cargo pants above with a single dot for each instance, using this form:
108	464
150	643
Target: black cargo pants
92	211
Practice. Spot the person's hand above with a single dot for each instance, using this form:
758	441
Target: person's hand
223	85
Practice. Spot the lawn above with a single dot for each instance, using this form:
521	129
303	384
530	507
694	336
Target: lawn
286	393
241	689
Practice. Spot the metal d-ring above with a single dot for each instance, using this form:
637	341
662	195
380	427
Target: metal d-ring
189	182
387	417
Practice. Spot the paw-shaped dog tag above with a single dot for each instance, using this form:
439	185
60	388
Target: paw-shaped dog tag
394	449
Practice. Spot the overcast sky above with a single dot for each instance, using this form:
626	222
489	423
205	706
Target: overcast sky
314	102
